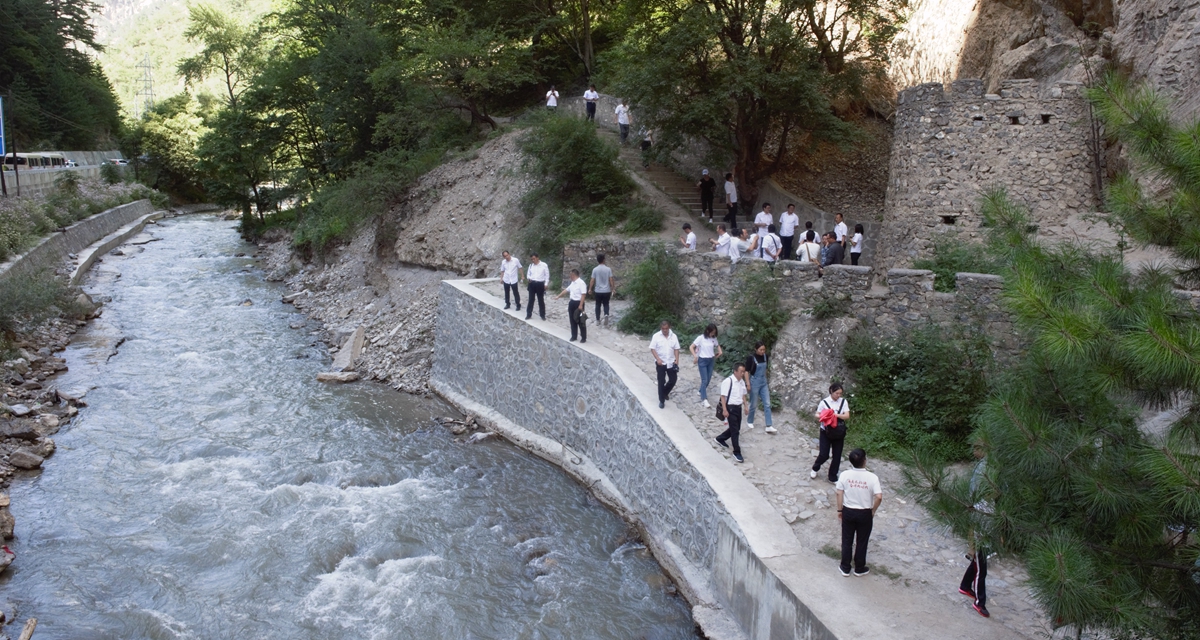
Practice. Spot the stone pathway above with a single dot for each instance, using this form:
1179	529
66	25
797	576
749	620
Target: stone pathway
907	547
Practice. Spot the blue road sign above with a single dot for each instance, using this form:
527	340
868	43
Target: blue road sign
2	148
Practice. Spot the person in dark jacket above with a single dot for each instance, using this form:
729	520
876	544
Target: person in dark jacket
756	381
831	252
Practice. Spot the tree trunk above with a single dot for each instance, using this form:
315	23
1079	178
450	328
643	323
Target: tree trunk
587	36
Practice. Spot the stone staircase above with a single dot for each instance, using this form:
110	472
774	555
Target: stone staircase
679	188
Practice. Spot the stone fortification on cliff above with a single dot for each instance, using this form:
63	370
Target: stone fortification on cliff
954	143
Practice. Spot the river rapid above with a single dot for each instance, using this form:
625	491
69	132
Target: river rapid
213	489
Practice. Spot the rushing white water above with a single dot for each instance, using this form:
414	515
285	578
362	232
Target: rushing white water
213	489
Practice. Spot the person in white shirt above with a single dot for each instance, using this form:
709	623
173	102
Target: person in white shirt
745	243
578	291
623	121
510	275
858	496
705	350
856	244
731	202
552	99
733	394
834	436
590	98
809	249
722	243
770	247
664	346
689	239
538	277
840	231
787	231
763	220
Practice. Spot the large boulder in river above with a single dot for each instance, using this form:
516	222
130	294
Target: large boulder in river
337	376
344	361
25	458
21	429
7	523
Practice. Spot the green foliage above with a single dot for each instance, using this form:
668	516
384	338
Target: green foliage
584	189
758	314
834	306
23	220
31	299
952	256
55	95
229	51
658	291
110	173
917	391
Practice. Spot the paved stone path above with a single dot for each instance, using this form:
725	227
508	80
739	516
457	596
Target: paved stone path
907	547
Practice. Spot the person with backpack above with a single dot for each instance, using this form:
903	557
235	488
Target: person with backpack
832	412
756	373
733	394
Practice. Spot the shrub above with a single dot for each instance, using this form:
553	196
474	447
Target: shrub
758	315
110	173
954	256
830	307
32	298
658	291
917	391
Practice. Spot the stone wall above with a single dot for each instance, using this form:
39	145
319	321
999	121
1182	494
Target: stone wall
952	144
620	254
55	247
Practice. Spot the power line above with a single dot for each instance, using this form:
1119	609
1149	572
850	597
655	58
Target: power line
35	105
144	101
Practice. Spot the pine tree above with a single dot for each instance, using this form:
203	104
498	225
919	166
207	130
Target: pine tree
1102	504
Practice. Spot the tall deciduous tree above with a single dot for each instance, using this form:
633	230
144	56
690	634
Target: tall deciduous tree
230	51
739	74
1102	504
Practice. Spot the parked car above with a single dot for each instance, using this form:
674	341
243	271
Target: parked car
120	162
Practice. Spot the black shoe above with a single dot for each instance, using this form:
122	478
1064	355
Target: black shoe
738	457
662	405
529	317
832	480
722	442
543	317
506	307
967	592
982	610
574	339
845	572
583	341
518	307
864	572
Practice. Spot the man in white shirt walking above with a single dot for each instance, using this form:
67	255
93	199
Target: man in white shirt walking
689	239
858	496
722	242
538	277
510	275
578	291
623	121
552	99
590	97
762	220
731	202
733	395
787	231
664	346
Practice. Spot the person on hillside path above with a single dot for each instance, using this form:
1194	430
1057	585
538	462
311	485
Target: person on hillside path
763	219
742	245
831	253
590	97
770	247
856	244
603	284
623	121
552	99
578	291
840	235
974	580
664	346
859	494
510	275
787	231
809	249
833	431
756	373
722	243
733	394
705	351
731	203
647	144
689	239
708	192
538	277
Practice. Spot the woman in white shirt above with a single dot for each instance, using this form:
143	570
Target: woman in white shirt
856	242
705	351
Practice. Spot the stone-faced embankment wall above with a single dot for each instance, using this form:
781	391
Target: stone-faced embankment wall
952	144
55	247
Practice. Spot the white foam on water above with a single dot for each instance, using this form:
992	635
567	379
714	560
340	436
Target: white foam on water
376	600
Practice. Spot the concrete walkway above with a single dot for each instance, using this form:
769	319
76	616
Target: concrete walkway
891	603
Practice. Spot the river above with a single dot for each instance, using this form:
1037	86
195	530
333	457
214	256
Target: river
213	489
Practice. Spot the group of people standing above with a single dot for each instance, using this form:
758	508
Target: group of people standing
537	277
786	241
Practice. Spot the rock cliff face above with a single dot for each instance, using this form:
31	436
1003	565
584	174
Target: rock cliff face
1159	41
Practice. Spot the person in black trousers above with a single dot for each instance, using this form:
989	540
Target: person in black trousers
538	277
974	581
859	494
733	396
708	192
832	437
578	292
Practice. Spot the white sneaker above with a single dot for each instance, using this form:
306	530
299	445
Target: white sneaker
812	474
749	426
707	405
771	429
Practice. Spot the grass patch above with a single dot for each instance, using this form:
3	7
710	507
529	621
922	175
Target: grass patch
953	256
830	307
831	551
29	299
658	291
758	315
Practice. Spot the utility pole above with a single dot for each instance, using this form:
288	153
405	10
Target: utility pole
144	101
16	169
3	186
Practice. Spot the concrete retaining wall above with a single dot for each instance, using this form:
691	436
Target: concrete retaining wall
38	181
55	247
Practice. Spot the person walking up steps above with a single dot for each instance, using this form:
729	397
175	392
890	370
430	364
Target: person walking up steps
858	496
705	351
602	285
733	394
731	203
538	277
590	97
708	191
510	275
833	412
756	371
623	121
664	346
578	291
